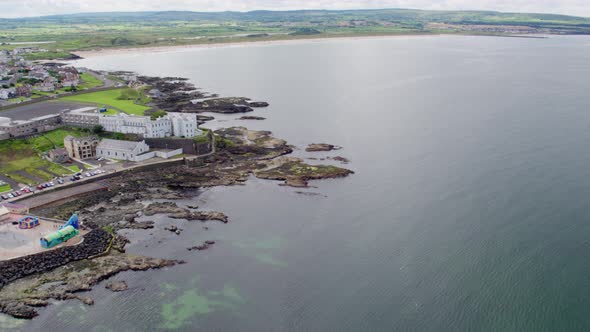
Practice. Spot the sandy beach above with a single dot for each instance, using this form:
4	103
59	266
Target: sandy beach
175	48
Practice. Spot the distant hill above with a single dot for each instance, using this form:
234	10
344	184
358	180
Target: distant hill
400	15
61	34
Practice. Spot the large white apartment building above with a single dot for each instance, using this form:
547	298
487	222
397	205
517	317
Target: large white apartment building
172	124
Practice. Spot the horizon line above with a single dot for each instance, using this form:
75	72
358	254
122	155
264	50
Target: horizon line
289	10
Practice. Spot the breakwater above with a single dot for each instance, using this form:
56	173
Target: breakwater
95	242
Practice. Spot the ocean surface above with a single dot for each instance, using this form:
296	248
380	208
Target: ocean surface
469	209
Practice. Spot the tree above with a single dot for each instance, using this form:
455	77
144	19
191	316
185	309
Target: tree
98	129
158	114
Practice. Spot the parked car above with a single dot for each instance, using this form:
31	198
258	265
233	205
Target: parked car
40	187
60	181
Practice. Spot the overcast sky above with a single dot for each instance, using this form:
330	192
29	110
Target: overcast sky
21	8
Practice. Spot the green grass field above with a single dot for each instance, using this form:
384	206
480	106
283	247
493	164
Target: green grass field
4	188
20	159
125	30
53	139
123	99
74	168
89	81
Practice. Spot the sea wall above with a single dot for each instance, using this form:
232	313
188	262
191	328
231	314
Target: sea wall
95	242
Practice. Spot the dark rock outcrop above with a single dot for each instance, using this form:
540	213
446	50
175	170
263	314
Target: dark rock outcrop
201	215
315	147
117	286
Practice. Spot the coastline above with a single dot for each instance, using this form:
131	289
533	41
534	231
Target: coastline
173	48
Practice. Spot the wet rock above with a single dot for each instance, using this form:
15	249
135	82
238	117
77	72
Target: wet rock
206	245
316	147
173	229
18	310
163	208
63	283
251	117
258	104
148	224
340	159
117	286
202	216
130	217
296	173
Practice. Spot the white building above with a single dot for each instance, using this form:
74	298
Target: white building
7	93
131	151
141	125
172	124
184	124
123	150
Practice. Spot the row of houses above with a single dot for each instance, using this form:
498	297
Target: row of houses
15	71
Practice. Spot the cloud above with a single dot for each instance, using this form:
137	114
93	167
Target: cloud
22	8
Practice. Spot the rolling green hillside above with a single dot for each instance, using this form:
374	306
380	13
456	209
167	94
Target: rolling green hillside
107	30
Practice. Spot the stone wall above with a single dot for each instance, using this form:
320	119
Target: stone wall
95	242
187	145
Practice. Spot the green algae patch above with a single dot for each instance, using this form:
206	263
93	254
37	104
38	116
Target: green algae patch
191	303
8	323
177	313
268	259
77	312
263	249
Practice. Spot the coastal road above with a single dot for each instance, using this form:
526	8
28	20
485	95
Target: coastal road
54	196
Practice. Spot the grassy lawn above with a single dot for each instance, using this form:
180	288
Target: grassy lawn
89	81
4	188
123	99
23	156
74	168
53	139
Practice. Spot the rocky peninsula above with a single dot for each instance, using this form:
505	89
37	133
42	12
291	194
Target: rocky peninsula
238	154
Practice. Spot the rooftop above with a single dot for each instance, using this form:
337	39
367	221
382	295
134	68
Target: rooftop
113	144
83	110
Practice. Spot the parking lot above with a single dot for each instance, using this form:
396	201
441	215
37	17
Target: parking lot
30	191
30	111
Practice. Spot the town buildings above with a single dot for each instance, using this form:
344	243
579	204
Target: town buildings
123	150
81	147
171	124
85	117
19	128
59	156
140	125
131	151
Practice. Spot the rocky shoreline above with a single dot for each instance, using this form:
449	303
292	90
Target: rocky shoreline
133	196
